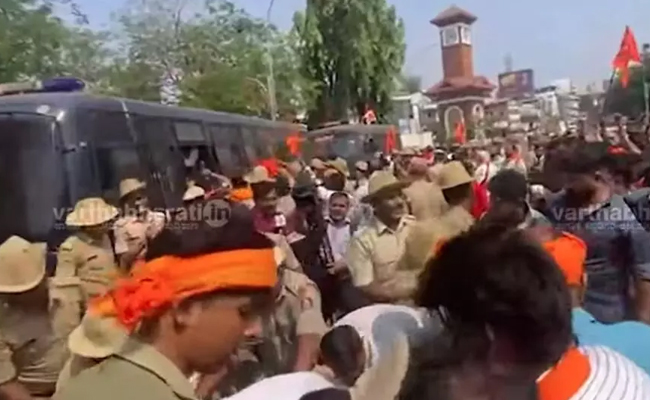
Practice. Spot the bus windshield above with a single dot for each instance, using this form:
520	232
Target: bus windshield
30	177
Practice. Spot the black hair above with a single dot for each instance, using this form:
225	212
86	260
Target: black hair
327	394
457	194
508	214
588	158
509	185
262	189
339	195
339	350
282	185
436	363
335	181
201	238
507	283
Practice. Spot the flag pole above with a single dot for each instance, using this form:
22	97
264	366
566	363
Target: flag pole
645	58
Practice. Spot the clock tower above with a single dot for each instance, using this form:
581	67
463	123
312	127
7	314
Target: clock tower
460	95
456	42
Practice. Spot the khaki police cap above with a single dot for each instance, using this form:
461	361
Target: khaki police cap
361	166
130	185
383	380
259	174
22	265
339	165
317	164
91	211
453	174
193	193
381	182
97	337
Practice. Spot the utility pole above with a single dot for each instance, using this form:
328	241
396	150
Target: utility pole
273	106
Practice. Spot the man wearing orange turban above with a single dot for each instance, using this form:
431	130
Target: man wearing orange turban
188	307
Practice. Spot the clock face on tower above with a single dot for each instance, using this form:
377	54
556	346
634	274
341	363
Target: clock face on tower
465	34
450	36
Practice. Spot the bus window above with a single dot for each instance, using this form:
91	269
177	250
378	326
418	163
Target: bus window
198	156
167	171
263	144
230	152
31	177
115	163
107	127
249	138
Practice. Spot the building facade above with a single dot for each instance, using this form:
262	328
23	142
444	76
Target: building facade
460	96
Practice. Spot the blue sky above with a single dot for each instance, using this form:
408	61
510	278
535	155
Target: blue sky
557	38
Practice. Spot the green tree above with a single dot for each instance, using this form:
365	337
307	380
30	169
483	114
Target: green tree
221	54
353	50
31	41
628	101
409	84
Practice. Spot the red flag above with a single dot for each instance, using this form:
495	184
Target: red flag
271	165
459	133
293	144
391	141
629	52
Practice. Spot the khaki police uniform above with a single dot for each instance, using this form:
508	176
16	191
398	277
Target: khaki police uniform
90	259
289	259
425	234
374	252
297	312
32	342
426	200
138	371
92	341
132	231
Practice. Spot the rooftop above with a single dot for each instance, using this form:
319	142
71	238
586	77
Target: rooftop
459	83
453	15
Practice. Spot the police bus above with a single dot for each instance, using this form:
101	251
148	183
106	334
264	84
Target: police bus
59	145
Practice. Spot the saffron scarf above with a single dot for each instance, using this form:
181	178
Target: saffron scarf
161	282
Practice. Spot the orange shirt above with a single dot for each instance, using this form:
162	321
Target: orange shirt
570	253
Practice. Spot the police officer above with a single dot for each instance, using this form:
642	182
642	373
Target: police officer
291	337
35	319
88	253
95	339
137	225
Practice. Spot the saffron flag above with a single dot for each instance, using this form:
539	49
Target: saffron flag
391	141
459	133
627	54
293	144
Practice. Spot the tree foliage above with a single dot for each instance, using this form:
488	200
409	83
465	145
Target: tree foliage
213	52
630	100
352	51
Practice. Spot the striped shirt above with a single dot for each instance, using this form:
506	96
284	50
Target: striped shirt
612	377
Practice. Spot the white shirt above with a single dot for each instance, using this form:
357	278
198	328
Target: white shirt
612	377
284	387
339	237
379	324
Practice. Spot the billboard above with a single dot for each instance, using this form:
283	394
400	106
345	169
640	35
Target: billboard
516	84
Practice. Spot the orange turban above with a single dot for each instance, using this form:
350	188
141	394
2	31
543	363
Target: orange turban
161	282
241	194
570	253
